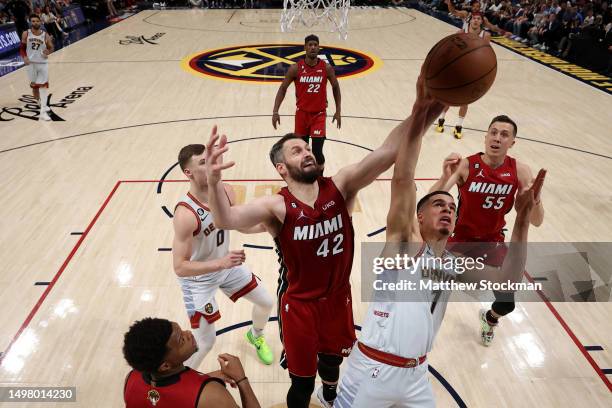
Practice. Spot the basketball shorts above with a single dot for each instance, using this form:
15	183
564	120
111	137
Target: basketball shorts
315	326
492	252
310	123
199	292
38	74
367	383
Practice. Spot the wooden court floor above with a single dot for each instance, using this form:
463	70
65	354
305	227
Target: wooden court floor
85	236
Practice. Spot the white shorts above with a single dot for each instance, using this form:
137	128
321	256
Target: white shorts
38	73
368	383
199	291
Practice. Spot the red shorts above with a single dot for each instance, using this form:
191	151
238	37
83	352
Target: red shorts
315	326
310	123
494	251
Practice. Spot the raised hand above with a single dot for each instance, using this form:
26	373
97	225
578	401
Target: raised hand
451	164
526	199
214	157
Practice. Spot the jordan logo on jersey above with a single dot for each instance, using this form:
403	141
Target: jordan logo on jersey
320	229
480	173
490	188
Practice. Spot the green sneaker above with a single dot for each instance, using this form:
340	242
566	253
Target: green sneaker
263	350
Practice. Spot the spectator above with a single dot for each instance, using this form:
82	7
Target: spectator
20	11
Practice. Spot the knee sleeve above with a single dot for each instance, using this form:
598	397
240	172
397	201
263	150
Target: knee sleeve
504	303
300	391
328	367
205	337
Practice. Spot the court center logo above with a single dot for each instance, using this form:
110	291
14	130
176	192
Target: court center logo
269	62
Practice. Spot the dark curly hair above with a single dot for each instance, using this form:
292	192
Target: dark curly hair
144	344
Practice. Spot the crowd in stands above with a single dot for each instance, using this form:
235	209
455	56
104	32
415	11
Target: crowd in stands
578	30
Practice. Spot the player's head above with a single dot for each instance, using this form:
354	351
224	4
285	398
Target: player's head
436	213
311	46
191	158
475	5
500	137
157	346
293	159
476	21
35	21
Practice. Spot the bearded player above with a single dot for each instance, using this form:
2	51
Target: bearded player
310	220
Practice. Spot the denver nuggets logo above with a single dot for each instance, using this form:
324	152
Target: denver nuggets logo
208	308
269	62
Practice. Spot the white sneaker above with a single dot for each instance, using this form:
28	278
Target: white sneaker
324	403
486	330
44	116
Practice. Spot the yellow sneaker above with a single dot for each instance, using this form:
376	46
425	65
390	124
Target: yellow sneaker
457	132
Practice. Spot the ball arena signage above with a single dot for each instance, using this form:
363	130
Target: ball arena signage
269	62
30	108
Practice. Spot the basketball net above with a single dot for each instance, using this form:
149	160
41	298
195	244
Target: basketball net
332	13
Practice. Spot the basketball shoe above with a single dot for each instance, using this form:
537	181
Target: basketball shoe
263	350
440	126
457	132
486	329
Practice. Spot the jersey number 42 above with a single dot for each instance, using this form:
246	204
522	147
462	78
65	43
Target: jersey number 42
337	246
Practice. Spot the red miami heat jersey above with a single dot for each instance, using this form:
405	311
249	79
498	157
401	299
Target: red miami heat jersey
315	245
311	87
179	390
484	199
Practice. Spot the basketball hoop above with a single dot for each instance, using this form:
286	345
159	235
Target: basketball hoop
333	13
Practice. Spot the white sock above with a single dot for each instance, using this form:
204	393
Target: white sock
262	307
256	332
44	94
205	337
460	121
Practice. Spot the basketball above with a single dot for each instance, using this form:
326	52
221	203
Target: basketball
460	69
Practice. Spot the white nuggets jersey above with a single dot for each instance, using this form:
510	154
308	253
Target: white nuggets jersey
405	324
36	44
208	242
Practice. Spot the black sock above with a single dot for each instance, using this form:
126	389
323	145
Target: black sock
490	319
458	128
329	392
441	122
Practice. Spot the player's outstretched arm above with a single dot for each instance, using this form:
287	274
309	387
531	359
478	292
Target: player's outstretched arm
457	13
454	171
282	91
516	258
525	177
403	190
227	216
353	178
232	198
185	224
